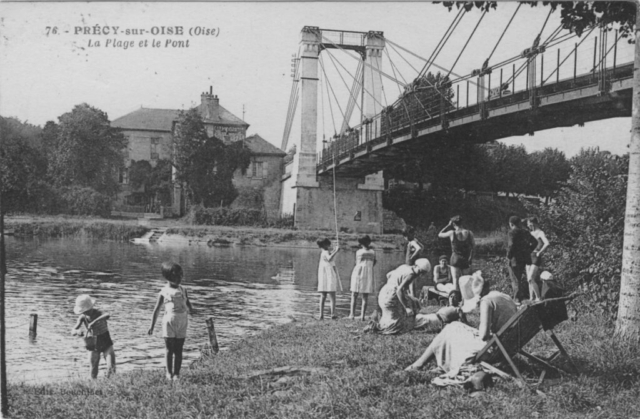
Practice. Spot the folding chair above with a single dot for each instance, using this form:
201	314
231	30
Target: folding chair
520	329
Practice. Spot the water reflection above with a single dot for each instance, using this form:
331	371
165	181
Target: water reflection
245	289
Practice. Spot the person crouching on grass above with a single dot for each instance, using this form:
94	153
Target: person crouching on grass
175	320
98	339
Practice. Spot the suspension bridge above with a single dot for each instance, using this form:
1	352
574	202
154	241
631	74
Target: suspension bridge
560	80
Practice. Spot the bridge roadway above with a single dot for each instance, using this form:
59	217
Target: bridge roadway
561	104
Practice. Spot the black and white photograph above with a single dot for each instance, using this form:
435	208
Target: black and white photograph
298	209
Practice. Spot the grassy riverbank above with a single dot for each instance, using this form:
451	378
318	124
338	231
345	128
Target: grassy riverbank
344	373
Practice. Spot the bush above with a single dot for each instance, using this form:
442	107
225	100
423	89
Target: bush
77	200
419	210
585	225
225	216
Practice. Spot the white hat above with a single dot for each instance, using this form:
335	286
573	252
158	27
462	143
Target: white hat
471	288
546	276
423	265
83	303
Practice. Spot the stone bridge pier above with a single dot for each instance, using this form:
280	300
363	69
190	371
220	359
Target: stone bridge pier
310	197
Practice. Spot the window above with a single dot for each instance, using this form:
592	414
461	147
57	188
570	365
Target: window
123	176
154	147
256	170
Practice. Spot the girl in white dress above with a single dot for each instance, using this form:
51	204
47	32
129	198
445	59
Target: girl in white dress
362	275
327	276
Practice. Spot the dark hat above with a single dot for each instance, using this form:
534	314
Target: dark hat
443	257
364	240
323	242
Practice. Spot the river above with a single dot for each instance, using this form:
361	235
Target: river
245	290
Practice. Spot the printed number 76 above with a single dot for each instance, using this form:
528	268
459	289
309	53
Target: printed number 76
52	30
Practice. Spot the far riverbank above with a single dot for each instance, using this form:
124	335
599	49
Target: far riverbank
179	232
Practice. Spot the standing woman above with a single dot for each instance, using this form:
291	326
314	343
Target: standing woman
327	276
413	252
533	270
362	275
462	248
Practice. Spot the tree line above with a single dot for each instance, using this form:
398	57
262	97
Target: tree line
72	166
494	167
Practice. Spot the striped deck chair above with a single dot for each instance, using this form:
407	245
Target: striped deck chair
519	330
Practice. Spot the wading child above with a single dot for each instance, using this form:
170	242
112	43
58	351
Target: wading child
327	277
98	339
362	275
175	321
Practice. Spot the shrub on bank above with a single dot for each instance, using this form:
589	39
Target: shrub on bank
479	215
585	225
225	216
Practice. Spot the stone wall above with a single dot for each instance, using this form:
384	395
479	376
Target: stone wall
359	211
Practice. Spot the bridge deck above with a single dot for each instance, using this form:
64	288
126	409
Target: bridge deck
564	103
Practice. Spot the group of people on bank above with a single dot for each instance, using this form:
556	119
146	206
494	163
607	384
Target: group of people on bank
399	300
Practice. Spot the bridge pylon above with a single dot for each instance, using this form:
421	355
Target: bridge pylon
309	197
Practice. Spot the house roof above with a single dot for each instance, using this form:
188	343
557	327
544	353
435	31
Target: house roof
147	119
259	145
223	117
162	119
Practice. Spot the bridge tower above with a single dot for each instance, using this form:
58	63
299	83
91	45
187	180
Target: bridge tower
305	194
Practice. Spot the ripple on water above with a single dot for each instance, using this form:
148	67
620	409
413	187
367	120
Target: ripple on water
245	290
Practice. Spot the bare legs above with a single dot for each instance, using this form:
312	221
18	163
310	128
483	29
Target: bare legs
532	277
109	356
173	356
354	298
332	301
427	356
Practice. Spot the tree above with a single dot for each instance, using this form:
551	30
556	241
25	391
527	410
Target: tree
22	165
155	181
508	169
576	17
421	99
205	164
585	222
85	150
549	169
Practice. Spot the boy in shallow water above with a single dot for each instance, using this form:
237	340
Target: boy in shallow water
98	339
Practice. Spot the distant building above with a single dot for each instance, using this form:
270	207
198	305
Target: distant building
149	134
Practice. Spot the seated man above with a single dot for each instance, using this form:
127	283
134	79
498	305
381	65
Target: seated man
442	276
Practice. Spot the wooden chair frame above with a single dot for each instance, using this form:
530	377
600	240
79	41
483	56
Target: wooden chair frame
518	332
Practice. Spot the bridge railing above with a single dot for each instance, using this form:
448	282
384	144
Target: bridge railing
561	69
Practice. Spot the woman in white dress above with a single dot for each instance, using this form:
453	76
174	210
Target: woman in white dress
327	276
362	281
458	343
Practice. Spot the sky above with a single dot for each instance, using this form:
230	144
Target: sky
248	60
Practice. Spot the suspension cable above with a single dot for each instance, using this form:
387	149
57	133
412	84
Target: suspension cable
419	57
333	61
467	43
569	55
328	84
328	41
370	66
504	31
393	45
445	38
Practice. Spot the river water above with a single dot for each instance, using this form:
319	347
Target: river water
245	290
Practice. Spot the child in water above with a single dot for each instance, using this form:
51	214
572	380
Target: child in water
175	321
327	276
98	339
362	275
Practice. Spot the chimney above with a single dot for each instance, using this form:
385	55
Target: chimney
209	105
